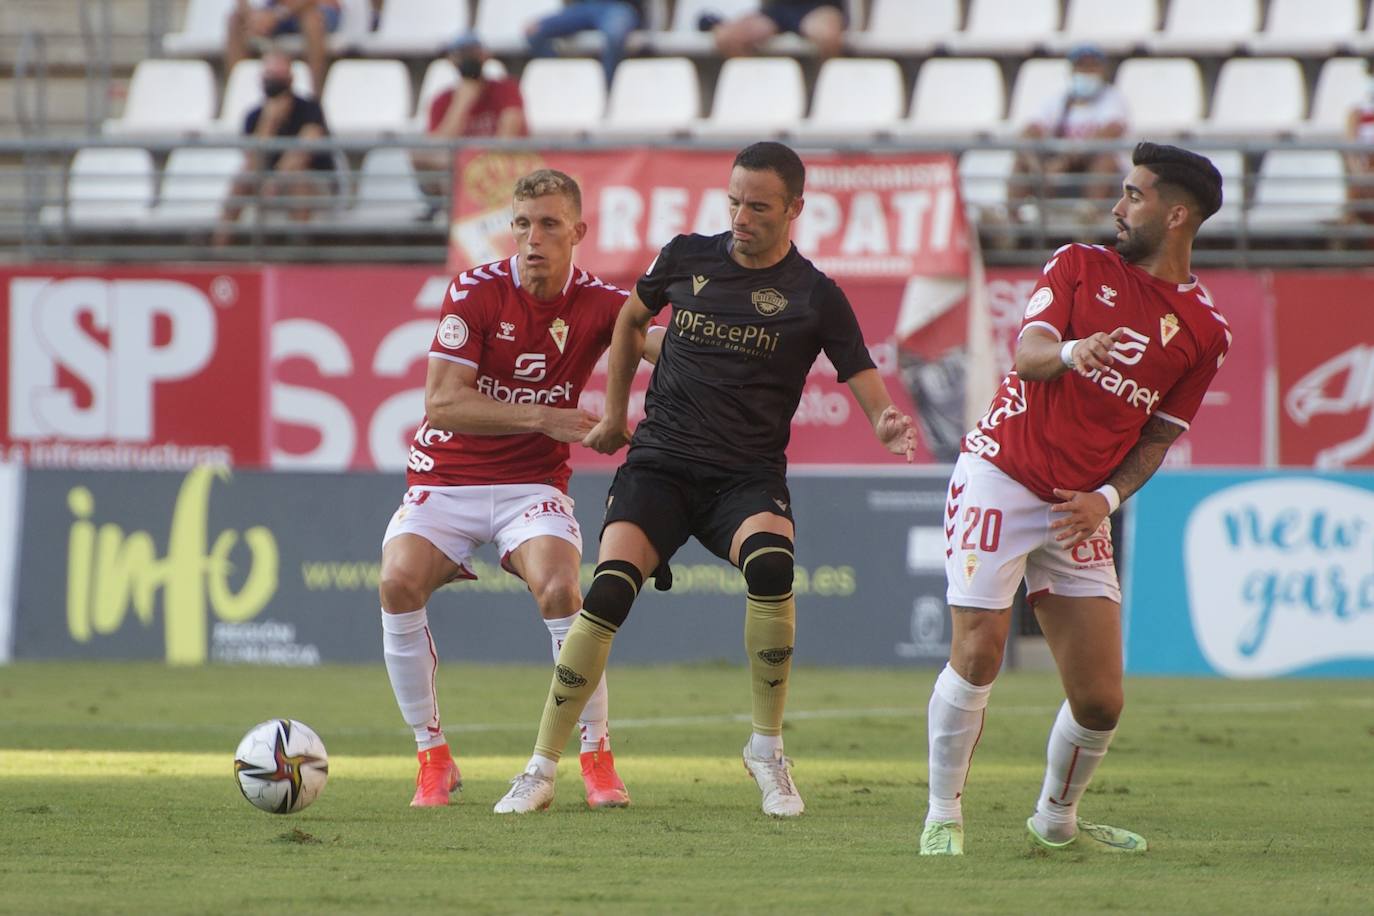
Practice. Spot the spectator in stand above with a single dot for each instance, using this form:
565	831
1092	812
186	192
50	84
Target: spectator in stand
313	20
1088	108
301	178
476	106
820	21
1360	165
614	19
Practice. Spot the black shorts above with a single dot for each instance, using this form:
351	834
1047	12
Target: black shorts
671	500
788	16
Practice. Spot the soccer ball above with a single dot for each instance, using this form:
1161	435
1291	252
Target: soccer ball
281	765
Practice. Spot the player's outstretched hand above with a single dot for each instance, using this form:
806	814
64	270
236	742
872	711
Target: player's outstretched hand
607	437
1082	515
897	433
568	424
1095	352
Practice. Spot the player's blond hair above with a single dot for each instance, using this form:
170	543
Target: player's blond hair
549	181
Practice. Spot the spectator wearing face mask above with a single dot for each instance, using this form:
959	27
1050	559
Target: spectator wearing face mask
476	106
1360	164
296	179
1088	108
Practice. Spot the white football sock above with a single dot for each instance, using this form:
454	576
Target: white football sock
765	747
543	766
593	726
953	727
411	662
1073	754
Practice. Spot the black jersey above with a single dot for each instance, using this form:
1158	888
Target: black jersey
737	352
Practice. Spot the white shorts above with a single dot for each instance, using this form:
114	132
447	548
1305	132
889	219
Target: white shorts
458	520
997	531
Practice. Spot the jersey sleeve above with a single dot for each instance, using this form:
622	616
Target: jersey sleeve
841	338
461	333
1181	403
652	288
1050	305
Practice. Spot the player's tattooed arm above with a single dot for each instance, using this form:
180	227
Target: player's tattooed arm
1145	456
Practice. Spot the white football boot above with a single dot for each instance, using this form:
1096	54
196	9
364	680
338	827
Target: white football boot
528	792
774	776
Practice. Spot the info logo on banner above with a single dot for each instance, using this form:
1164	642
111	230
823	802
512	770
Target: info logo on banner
157	369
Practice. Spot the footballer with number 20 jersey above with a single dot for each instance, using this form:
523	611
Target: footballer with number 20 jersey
525	352
1072	431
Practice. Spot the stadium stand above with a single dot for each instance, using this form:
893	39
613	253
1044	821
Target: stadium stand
975	110
243	92
856	97
363	97
202	31
1298	191
106	186
387	190
654	96
1307	27
1116	27
416	27
195	183
563	96
686	38
502	24
1257	97
1164	95
1007	26
1037	80
761	96
906	27
1340	86
167	97
1202	27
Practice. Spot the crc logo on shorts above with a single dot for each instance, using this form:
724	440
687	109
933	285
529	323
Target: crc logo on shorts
453	332
547	507
531	367
768	302
1043	299
570	678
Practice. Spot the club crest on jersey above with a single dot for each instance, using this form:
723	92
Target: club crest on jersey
768	302
1107	296
1042	300
559	332
507	331
1168	327
971	564
453	332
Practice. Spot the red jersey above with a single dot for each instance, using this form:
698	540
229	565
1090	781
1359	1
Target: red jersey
1072	431
485	114
525	352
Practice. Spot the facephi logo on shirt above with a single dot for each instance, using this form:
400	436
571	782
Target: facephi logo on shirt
453	332
531	367
507	331
1106	296
1043	299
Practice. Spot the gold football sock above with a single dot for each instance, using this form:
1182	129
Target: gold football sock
581	662
770	625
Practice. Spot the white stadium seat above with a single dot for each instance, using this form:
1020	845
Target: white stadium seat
1207	26
1231	164
1340	87
417	27
899	27
367	97
653	95
957	96
1298	190
195	183
1310	28
243	93
984	175
563	95
1007	26
1116	27
107	187
685	38
856	96
764	96
387	189
502	23
202	31
1163	94
167	97
1038	79
1258	96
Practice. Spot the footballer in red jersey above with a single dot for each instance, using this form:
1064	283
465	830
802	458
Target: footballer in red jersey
515	344
1117	349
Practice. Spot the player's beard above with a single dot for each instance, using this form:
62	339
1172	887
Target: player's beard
1140	243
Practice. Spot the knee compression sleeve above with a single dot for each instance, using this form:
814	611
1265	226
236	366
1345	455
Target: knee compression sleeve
769	625
613	590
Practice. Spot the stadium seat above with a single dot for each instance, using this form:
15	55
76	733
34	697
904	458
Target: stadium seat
756	96
502	23
862	96
387	189
653	96
1308	28
1258	96
1037	80
906	27
202	31
243	93
1117	27
1163	94
983	176
566	96
195	183
1234	194
685	38
1340	87
417	27
1202	27
1298	192
1006	26
441	75
167	97
107	187
956	96
367	97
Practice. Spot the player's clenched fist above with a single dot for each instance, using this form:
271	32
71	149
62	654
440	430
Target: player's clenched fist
1095	352
608	436
568	424
897	433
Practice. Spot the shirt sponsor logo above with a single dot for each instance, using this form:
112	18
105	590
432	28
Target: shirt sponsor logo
767	302
1132	350
531	367
513	394
747	338
453	332
1043	299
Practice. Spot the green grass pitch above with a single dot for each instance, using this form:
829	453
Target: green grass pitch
117	795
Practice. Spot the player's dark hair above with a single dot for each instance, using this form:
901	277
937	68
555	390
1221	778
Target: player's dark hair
778	159
1180	168
549	181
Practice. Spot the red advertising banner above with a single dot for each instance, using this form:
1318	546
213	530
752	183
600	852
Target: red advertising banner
131	368
1325	332
889	216
1229	427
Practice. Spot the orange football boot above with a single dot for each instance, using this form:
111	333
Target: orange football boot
438	778
604	788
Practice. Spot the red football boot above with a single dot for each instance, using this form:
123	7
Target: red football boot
604	788
438	778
